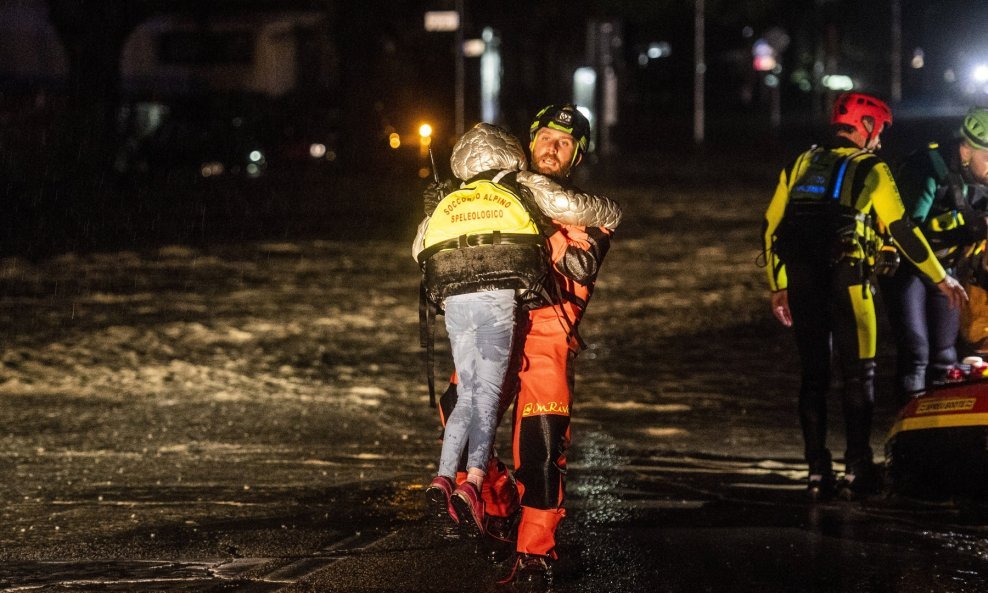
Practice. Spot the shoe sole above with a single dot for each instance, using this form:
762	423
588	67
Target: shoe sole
437	515
469	526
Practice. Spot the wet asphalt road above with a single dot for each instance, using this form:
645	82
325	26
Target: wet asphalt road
647	523
251	417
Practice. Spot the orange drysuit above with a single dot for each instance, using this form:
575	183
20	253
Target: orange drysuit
540	383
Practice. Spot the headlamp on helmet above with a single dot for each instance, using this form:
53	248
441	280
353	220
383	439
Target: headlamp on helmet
565	118
853	109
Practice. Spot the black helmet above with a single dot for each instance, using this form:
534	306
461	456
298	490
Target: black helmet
565	118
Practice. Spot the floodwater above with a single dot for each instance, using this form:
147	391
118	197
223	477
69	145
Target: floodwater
252	416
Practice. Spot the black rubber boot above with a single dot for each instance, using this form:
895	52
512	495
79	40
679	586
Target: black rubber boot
821	483
861	480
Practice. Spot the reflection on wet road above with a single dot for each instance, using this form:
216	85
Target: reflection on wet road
702	523
638	521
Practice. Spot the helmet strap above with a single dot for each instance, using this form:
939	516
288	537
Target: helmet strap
868	123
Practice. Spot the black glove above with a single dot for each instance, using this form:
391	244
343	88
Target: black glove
434	193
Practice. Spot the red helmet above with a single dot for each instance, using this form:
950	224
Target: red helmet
852	108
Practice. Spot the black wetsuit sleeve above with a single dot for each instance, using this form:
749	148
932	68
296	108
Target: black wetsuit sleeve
582	265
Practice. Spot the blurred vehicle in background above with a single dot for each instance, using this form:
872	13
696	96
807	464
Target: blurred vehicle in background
308	137
189	140
229	96
223	136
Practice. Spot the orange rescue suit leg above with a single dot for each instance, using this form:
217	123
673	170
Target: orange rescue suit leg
542	431
537	531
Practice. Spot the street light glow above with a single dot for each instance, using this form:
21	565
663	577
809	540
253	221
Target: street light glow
585	76
919	59
474	48
980	73
659	49
838	82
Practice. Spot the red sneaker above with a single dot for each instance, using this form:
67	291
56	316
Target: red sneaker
440	512
469	508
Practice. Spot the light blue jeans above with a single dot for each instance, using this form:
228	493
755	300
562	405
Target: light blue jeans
480	327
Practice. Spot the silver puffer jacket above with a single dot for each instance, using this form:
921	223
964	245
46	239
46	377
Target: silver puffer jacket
487	147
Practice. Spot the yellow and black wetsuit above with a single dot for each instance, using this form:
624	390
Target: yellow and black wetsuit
818	241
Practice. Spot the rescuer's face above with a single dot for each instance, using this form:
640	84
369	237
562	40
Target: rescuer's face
552	152
977	163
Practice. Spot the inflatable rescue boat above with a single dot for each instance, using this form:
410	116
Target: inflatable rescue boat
938	447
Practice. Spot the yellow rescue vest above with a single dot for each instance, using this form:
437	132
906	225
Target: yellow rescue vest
484	236
480	207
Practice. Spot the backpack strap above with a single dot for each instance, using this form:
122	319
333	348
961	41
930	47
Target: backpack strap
838	180
427	339
509	179
492	238
951	182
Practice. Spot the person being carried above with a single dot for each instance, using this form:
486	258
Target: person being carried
819	240
484	254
